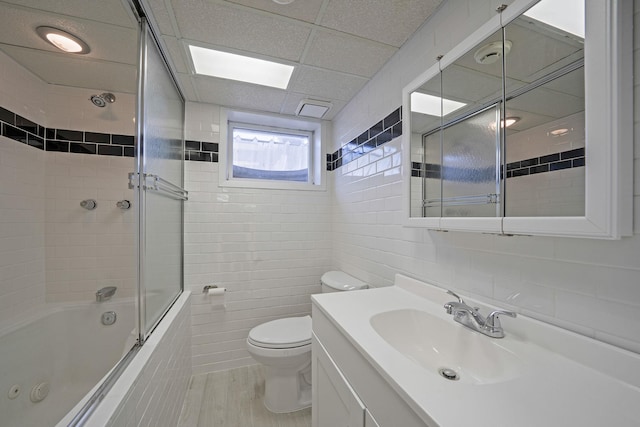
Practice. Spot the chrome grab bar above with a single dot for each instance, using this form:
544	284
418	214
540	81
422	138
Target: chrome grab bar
481	199
162	186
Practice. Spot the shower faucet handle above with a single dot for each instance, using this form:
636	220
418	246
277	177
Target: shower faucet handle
123	204
89	204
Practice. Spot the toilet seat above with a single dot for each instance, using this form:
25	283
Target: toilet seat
290	332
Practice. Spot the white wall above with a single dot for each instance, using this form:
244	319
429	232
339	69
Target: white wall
150	391
87	250
22	202
22	212
267	247
589	286
52	249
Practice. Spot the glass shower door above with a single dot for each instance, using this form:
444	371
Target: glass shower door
159	179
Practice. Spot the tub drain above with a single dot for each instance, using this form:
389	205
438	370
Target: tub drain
449	374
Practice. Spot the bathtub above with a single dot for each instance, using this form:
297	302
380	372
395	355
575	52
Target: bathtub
58	356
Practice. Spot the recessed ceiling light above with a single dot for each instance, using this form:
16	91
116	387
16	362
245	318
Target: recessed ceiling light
230	66
62	40
430	105
283	1
511	121
559	132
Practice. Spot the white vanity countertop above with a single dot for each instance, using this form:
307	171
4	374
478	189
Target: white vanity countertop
550	389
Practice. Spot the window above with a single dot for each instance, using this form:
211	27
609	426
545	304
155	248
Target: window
271	151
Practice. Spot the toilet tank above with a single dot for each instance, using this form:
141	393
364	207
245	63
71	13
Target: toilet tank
335	281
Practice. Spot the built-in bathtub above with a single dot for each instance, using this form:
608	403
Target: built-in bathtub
152	386
70	350
65	350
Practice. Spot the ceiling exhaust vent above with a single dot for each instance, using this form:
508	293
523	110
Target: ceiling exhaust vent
313	108
492	52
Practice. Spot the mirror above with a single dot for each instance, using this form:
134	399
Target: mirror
504	142
544	143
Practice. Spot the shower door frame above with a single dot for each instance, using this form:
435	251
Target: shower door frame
146	36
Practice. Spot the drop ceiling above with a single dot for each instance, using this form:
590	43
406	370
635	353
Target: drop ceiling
336	46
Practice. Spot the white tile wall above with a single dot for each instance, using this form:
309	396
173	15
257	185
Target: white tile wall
43	228
87	250
22	206
590	286
22	215
156	394
267	247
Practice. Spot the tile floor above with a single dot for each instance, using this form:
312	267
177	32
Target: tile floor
234	399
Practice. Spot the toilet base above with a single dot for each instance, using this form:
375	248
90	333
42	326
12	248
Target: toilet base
287	391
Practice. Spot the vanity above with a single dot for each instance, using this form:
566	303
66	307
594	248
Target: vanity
391	357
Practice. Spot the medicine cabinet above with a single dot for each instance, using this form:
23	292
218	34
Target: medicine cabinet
526	127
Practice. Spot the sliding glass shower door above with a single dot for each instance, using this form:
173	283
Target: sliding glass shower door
159	179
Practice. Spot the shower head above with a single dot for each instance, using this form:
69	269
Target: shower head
102	99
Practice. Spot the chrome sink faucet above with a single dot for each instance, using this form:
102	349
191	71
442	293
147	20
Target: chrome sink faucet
471	317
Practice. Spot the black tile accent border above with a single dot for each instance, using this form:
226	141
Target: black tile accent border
380	133
548	163
25	131
535	165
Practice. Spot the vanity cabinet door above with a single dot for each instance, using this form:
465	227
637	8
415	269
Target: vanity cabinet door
335	403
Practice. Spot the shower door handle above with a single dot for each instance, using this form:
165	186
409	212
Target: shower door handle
156	183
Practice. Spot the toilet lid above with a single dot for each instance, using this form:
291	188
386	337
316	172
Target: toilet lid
282	333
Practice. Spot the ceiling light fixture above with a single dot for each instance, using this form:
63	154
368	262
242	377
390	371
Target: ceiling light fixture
490	53
432	106
283	1
230	66
313	108
559	132
510	121
62	40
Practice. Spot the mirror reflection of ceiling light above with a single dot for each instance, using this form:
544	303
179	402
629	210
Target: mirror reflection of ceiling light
509	122
566	15
64	41
231	66
559	132
430	105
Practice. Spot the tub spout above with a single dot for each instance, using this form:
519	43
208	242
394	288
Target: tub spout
105	293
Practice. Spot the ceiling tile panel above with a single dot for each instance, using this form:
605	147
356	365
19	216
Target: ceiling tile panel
111	12
327	85
186	85
107	42
177	55
162	16
239	95
237	28
75	71
347	54
389	21
304	10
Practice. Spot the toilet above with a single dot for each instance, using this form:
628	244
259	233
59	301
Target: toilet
283	346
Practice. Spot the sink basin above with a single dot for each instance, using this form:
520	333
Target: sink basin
436	344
